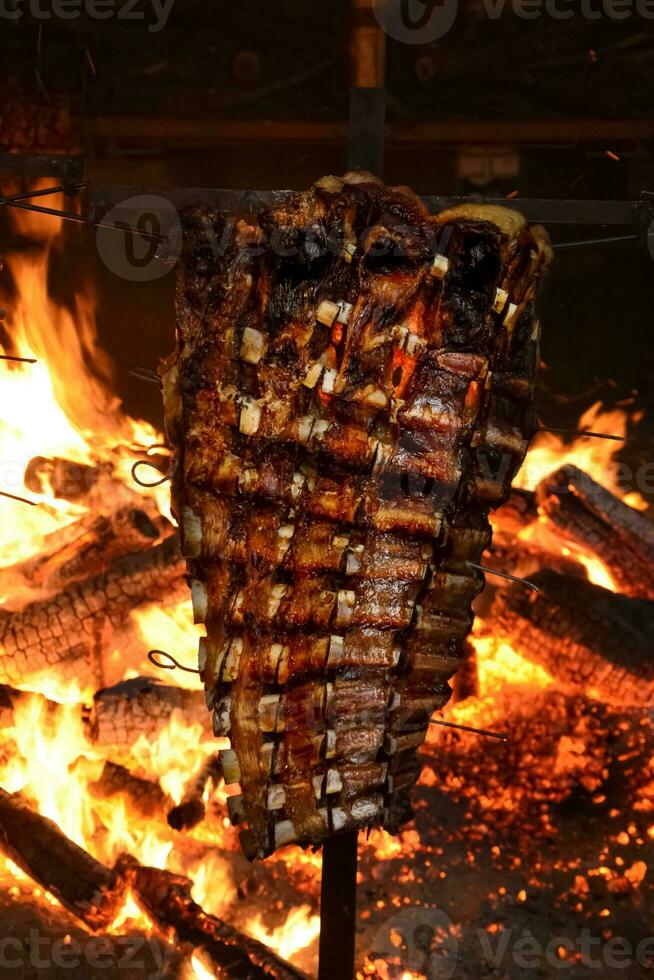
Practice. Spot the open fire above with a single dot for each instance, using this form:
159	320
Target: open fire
552	830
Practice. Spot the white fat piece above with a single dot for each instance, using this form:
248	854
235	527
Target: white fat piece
200	600
344	312
333	782
349	248
327	312
250	417
253	345
297	484
277	593
336	644
330	743
345	606
339	818
202	653
284	833
231	767
328	381
376	398
319	429
501	297
440	266
276	797
313	374
222	716
285	536
192	532
269	712
305	428
510	316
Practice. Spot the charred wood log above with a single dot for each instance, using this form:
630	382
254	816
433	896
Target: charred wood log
519	511
142	706
68	630
94	892
120	714
167	899
587	514
524	558
586	637
144	795
10	699
190	811
86	553
85	887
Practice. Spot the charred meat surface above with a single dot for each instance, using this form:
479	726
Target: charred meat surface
352	391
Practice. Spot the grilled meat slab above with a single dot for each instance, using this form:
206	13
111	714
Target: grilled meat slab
352	391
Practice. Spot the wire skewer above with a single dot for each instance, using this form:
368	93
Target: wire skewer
583	432
511	578
172	665
23	360
82	219
468	728
45	192
23	500
145	374
141	483
582	243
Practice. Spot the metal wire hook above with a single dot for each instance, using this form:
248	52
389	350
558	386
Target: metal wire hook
148	486
173	665
145	374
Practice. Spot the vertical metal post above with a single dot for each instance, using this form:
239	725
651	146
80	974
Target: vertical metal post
338	902
338	898
368	91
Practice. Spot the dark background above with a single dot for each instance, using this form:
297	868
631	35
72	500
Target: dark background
255	94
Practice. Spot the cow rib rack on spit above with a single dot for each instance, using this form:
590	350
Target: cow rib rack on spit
352	391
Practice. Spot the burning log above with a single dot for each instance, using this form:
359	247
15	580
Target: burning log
588	638
84	554
94	893
524	558
67	631
120	714
587	514
142	706
85	887
167	899
191	810
145	796
518	512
